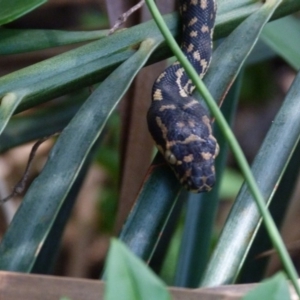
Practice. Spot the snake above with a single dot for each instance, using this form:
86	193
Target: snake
179	124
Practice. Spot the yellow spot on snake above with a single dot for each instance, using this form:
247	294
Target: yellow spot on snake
180	124
194	2
182	92
196	55
206	121
162	75
203	4
206	155
157	95
190	104
190	48
204	65
188	158
193	33
170	106
191	138
189	85
162	127
204	29
179	74
192	124
193	21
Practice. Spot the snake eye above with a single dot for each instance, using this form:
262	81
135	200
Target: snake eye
170	157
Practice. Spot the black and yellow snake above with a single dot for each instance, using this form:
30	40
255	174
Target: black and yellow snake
178	123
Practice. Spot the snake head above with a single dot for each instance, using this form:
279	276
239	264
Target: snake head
193	163
183	134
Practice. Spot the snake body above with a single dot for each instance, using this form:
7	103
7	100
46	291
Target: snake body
178	123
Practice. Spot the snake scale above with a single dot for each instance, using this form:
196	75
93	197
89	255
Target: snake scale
178	123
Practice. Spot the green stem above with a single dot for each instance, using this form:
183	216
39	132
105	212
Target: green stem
235	147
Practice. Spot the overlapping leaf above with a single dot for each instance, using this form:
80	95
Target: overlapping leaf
20	249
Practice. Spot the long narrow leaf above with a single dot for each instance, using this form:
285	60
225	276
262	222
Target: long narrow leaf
19	41
41	205
241	227
77	68
254	269
230	56
9	104
154	203
46	258
80	67
283	36
13	9
273	288
128	278
24	129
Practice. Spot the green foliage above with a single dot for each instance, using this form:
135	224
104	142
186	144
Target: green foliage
64	164
19	41
14	9
275	288
230	184
129	277
118	58
283	37
255	89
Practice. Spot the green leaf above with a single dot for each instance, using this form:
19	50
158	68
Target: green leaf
148	217
20	249
9	104
230	56
129	276
25	128
234	241
230	184
91	63
283	36
77	68
18	41
13	9
240	228
274	288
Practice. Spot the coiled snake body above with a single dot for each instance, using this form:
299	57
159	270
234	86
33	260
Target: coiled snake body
178	123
